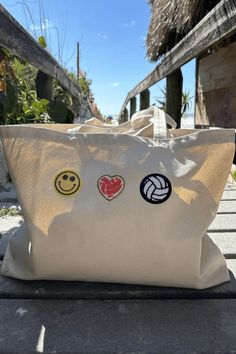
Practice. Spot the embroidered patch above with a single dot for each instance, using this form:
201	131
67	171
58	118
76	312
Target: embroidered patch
155	188
110	187
67	183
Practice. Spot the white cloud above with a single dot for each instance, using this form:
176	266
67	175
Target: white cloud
46	24
104	36
129	24
115	84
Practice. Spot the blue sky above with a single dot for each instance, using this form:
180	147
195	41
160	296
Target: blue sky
112	42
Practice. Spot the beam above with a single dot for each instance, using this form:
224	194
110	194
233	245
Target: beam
144	99
133	106
19	42
125	116
215	26
174	87
44	86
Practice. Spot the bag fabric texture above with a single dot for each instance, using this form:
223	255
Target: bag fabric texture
125	204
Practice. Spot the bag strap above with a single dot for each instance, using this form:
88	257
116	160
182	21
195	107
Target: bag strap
159	123
156	116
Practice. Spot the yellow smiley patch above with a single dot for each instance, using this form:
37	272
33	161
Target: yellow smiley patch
67	183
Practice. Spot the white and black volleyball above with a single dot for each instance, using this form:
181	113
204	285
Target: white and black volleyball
155	188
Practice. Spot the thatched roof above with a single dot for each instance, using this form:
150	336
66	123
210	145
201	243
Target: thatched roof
171	20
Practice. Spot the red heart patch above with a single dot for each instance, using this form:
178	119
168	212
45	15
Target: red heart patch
110	187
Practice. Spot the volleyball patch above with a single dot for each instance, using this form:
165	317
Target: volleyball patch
155	188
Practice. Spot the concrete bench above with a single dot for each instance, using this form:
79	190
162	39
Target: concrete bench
78	317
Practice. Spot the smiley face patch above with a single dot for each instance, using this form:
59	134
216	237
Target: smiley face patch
67	183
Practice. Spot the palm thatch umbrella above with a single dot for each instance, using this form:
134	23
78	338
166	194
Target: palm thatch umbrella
171	20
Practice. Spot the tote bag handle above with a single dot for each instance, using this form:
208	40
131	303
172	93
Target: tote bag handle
160	120
156	116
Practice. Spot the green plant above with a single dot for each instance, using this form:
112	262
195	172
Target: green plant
42	41
18	99
234	175
9	100
62	100
162	100
186	100
84	84
73	106
19	103
6	212
58	111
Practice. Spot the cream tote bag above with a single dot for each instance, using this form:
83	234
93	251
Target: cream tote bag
125	204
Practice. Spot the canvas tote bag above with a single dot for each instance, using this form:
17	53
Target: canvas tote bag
126	204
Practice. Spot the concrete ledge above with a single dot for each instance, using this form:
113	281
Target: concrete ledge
95	326
19	289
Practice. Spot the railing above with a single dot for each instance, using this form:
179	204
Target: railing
217	25
20	43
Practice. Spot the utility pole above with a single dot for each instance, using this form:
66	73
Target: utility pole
78	63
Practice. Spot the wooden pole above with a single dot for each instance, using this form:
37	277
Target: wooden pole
196	94
144	99
133	106
174	86
78	60
124	116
